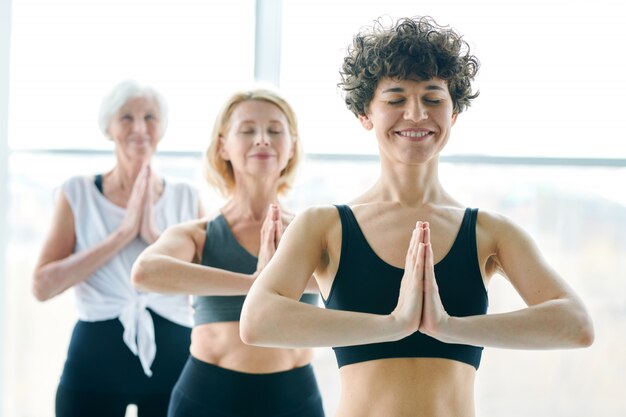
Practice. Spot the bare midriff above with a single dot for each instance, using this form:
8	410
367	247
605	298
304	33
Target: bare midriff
220	344
407	387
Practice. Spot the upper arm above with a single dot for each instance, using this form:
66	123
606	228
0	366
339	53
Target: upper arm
182	241
519	259
298	255
61	238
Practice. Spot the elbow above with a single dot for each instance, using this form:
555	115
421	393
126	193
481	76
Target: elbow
581	331
246	333
249	325
139	275
586	334
38	289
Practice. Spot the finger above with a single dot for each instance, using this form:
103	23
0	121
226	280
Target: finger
137	194
270	234
267	221
277	233
418	269
265	232
275	211
411	252
149	194
430	283
420	234
425	232
139	187
278	220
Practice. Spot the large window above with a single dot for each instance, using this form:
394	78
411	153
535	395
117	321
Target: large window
67	54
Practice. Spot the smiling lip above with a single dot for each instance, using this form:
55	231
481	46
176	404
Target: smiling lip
262	155
139	140
415	135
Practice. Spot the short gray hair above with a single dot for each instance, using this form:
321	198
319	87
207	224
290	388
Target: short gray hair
120	94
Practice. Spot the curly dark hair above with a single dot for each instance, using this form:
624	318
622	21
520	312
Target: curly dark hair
411	48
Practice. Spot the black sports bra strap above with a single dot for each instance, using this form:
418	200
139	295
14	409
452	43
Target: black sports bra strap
471	226
350	227
98	181
470	235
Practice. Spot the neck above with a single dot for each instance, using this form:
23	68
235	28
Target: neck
251	200
123	175
410	185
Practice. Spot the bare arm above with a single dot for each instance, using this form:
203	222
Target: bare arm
272	316
555	316
57	268
171	265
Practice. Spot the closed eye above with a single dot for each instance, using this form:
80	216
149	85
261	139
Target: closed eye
432	100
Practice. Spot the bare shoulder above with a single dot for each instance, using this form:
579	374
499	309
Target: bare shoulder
503	242
192	229
317	218
498	228
491	229
318	225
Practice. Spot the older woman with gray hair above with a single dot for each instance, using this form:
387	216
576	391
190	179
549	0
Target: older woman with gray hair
128	346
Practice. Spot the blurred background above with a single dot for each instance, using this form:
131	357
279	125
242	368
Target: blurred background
544	144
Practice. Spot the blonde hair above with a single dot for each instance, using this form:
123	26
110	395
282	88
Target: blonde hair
219	172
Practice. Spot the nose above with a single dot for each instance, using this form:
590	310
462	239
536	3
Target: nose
139	125
415	111
261	139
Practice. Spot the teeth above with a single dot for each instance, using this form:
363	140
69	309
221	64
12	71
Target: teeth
413	134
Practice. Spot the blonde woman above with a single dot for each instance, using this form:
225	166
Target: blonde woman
252	159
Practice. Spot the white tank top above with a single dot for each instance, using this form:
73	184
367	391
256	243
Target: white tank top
108	293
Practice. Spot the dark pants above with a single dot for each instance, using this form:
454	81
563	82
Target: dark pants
102	376
206	390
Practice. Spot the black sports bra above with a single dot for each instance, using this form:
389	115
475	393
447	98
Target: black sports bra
366	283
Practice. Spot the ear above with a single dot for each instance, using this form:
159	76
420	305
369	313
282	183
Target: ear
454	116
222	151
366	122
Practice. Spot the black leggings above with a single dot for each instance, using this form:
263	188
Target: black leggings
102	377
205	390
77	403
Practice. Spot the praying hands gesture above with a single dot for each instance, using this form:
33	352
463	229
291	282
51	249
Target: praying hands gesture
419	304
271	233
139	218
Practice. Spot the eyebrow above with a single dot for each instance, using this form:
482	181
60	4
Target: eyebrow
430	87
255	121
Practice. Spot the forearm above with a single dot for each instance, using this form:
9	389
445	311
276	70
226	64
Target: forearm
166	274
273	320
57	276
554	324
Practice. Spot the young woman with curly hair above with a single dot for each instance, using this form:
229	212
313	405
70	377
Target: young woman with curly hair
404	268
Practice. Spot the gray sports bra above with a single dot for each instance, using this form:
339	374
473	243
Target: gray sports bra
221	250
